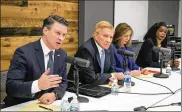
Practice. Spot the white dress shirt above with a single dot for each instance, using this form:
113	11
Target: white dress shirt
46	51
100	53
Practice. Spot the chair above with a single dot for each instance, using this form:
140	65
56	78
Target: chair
136	45
3	87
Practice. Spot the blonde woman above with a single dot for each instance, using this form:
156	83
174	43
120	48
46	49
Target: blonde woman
122	40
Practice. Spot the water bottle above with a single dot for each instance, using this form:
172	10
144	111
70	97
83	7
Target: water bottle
168	69
114	87
75	105
127	81
65	105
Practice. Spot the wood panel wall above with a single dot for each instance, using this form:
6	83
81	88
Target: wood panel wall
21	22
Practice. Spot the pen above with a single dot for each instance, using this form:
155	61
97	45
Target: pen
45	108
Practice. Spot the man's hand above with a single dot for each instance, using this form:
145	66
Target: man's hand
111	79
48	81
176	63
119	76
47	98
135	72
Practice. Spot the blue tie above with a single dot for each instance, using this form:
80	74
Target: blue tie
50	63
102	61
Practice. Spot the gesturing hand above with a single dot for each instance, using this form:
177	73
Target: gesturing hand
48	81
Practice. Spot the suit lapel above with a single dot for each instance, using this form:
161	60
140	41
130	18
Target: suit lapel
95	49
40	56
98	58
107	60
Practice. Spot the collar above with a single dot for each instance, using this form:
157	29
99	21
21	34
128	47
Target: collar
45	49
99	47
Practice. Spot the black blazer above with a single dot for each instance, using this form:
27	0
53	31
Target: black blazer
92	74
147	57
26	66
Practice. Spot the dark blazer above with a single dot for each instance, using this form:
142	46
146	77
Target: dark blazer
119	60
26	66
147	57
92	74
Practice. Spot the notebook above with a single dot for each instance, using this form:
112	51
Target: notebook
90	90
35	107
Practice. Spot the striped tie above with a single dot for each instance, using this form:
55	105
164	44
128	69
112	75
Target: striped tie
50	63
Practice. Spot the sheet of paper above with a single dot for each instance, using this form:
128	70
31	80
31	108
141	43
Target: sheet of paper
145	76
35	107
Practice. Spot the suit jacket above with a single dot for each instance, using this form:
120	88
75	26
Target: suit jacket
147	57
92	74
28	65
119	60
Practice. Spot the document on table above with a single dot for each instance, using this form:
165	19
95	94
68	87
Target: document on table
150	75
36	107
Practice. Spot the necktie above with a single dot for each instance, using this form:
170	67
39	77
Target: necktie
102	61
50	63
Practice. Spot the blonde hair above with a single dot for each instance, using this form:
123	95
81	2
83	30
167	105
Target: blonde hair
120	30
100	25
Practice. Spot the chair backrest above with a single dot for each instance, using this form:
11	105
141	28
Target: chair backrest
3	81
68	68
136	46
3	87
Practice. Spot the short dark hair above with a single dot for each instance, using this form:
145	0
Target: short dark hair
52	19
151	33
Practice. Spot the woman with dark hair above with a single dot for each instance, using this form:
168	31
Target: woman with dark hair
122	40
155	36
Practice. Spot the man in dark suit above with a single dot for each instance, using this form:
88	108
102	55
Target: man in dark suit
98	51
38	69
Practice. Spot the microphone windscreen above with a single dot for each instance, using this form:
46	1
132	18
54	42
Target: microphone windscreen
82	62
70	59
173	44
78	61
162	49
126	52
165	50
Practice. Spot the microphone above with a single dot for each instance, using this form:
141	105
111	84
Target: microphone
173	44
82	63
162	49
126	52
143	108
78	61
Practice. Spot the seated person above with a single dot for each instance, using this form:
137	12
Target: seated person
37	69
97	51
155	36
122	40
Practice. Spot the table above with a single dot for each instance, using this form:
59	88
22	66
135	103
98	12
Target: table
127	102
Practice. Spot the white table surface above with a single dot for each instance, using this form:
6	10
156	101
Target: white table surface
127	102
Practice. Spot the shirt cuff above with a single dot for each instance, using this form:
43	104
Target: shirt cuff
112	74
35	87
